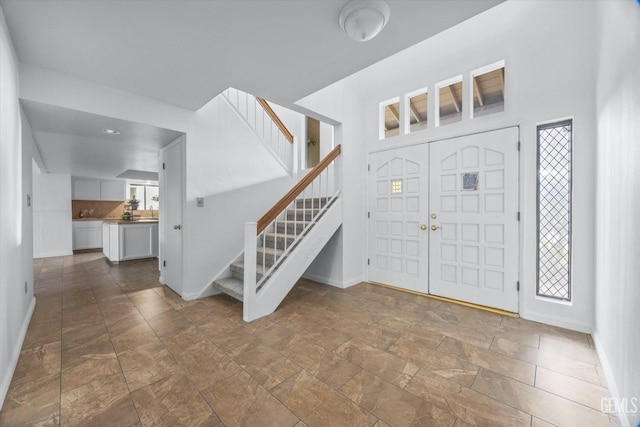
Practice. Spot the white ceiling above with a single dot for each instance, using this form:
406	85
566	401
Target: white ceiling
185	52
73	142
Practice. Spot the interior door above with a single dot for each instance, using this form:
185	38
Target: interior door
473	250
171	215
398	197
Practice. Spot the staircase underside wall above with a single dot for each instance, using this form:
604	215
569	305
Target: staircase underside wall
289	272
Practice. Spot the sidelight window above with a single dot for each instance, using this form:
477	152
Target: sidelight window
554	209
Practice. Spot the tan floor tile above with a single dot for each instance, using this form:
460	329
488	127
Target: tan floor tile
133	337
32	402
323	364
241	401
168	323
470	336
568	348
78	336
38	364
539	403
513	368
553	361
322	339
424	355
92	367
266	365
392	404
146	364
317	404
104	401
381	363
173	401
583	392
89	313
44	332
206	364
181	341
537	422
466	404
541	328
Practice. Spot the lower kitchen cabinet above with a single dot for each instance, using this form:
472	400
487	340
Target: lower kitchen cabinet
130	240
87	235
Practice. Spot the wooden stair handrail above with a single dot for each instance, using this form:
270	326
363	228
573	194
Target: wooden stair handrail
275	118
288	198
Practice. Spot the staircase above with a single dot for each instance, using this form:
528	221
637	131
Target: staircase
275	245
284	242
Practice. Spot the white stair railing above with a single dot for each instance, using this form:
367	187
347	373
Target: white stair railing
257	113
288	221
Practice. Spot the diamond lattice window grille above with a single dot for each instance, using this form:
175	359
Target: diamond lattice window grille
554	210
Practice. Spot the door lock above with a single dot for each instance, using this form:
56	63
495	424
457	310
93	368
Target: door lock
423	227
177	227
434	216
434	227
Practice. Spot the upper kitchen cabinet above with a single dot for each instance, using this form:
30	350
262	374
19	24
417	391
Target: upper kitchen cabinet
98	189
112	190
86	189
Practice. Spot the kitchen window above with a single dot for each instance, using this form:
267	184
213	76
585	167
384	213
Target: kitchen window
147	194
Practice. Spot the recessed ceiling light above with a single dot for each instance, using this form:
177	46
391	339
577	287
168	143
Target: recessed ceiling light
111	131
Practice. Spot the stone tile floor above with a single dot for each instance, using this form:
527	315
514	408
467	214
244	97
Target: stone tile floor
108	345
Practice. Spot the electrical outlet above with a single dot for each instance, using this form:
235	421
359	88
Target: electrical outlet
200	202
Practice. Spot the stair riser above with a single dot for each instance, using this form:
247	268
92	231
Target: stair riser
308	203
238	273
302	215
291	228
268	260
269	242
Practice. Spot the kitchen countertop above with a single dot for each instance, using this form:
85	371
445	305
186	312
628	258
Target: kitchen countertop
136	221
119	220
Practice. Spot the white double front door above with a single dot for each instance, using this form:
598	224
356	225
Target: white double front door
444	218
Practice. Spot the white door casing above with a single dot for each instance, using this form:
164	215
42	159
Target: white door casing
171	201
398	197
474	249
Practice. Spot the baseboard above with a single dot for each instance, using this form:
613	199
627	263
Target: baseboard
555	321
332	282
207	292
623	419
53	254
6	381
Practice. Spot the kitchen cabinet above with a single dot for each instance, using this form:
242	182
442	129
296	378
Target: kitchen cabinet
112	190
87	235
86	189
124	241
98	189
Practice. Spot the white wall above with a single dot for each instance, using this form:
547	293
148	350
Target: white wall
548	49
52	225
16	264
223	156
341	104
617	329
218	237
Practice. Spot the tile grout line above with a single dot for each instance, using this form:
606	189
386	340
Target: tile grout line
126	383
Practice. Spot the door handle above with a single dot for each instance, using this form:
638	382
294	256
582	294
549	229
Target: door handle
177	227
423	227
434	227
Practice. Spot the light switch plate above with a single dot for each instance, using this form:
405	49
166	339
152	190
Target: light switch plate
200	202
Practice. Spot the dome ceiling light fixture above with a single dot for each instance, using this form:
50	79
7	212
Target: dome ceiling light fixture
362	20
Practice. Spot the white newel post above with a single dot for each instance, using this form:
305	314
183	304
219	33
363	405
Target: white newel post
250	249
